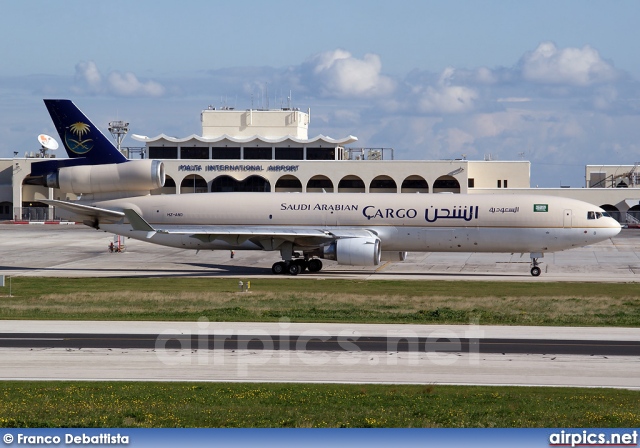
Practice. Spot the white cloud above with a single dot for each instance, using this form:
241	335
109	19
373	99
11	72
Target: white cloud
87	74
127	84
573	66
446	98
605	97
458	142
89	80
494	124
485	76
341	74
514	100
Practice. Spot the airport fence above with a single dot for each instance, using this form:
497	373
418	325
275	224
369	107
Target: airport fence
35	214
632	218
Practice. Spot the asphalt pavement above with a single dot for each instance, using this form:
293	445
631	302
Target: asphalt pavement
78	251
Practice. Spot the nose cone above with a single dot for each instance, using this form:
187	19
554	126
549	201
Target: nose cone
613	227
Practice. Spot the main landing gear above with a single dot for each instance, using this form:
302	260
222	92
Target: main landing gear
296	266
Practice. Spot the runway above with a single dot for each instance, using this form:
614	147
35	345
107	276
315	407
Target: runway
78	251
320	343
334	353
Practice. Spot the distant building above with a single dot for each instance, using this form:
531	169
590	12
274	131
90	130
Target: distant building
270	151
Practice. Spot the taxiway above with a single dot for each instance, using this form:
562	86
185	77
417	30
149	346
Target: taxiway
78	251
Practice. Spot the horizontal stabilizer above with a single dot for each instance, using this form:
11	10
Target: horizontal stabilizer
86	211
52	165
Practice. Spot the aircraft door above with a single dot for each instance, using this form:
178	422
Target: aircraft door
330	218
567	219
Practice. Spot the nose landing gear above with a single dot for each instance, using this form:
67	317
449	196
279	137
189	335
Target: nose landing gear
535	269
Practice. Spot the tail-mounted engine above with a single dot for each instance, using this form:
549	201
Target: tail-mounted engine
133	175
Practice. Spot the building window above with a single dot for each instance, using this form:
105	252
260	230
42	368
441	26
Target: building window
321	154
225	153
383	183
250	184
351	184
288	183
5	210
414	184
446	183
193	184
289	153
471	182
163	152
258	153
318	183
194	153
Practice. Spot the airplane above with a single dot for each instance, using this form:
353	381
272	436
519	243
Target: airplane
350	228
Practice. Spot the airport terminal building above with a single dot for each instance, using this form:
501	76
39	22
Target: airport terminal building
270	151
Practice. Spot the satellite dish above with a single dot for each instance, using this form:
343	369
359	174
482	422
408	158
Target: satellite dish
47	142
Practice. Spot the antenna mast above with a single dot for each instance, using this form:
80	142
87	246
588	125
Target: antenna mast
119	130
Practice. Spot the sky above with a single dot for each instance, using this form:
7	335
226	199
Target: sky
553	82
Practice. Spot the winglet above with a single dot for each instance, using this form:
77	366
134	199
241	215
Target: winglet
138	222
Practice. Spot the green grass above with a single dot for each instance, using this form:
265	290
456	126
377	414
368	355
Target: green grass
128	404
148	404
36	286
309	300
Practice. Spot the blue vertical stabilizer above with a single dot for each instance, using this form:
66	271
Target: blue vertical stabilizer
80	137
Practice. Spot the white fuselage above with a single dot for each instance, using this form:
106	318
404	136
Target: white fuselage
402	222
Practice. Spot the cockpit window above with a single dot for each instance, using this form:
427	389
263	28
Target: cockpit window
606	215
598	215
591	215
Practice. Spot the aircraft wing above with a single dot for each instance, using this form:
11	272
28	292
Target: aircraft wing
267	237
86	212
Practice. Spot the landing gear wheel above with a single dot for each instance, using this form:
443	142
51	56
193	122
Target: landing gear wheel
315	265
303	264
294	268
535	271
278	268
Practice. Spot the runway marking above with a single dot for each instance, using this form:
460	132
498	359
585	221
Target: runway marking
383	266
32	339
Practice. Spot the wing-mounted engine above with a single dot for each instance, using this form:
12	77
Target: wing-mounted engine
354	251
130	176
393	256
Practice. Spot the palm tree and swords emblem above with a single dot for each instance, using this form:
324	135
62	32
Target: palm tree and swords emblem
79	144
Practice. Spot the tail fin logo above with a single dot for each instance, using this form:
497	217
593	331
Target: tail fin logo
76	141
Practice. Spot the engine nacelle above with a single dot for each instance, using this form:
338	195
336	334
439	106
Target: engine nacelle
354	251
393	256
134	175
